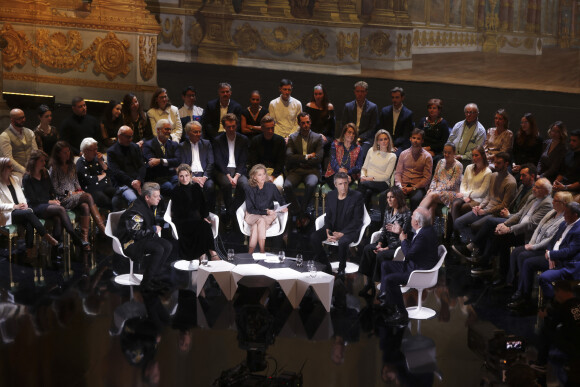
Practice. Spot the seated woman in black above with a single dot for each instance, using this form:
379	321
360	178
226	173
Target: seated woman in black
92	173
190	214
15	210
260	214
41	198
397	219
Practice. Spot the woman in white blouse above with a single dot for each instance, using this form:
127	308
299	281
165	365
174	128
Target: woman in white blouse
161	108
474	185
378	167
15	210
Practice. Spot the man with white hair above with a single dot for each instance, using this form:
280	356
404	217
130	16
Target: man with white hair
420	254
467	135
17	142
163	155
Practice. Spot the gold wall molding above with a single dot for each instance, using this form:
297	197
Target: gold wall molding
60	51
195	33
247	38
378	43
278	41
147	56
515	42
115	15
347	44
35	78
404	43
172	31
431	38
315	44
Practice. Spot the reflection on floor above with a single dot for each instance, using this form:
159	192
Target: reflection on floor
87	330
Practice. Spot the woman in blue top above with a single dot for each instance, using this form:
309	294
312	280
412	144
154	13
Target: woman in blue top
260	213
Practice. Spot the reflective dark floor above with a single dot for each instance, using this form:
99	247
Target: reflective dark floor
88	331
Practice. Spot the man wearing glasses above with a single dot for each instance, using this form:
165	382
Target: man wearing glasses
467	134
127	166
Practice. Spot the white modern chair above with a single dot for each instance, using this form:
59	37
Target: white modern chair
420	280
185	264
399	256
110	229
351	267
277	227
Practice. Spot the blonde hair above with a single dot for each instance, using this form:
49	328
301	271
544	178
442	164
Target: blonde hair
253	171
376	145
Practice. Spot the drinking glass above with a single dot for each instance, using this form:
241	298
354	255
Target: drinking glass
281	256
231	254
299	260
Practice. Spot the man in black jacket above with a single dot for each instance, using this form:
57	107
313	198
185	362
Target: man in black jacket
342	223
269	149
139	236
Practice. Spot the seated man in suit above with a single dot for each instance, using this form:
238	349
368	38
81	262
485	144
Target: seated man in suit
467	134
198	153
364	114
420	254
563	253
518	228
303	159
126	165
398	121
138	234
216	109
342	223
162	156
230	150
269	149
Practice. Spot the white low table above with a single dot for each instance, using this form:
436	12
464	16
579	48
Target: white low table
293	283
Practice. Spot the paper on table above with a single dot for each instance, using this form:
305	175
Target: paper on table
258	256
279	209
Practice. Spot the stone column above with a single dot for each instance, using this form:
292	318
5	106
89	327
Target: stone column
217	45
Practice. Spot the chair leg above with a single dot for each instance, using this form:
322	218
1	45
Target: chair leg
419	299
324	203
316	198
12	285
39	259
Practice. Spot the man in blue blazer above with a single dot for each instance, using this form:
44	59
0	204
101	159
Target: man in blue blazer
230	172
162	156
397	120
420	254
216	109
198	153
563	253
342	223
367	121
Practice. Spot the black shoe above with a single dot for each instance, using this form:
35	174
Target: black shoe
461	250
398	317
516	296
518	303
365	291
482	270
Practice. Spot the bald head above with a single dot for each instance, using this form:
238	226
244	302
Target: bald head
421	218
124	135
17	118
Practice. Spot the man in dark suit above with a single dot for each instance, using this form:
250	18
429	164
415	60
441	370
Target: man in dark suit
342	223
563	253
302	165
420	254
398	121
79	126
162	156
198	153
126	165
364	114
269	149
216	109
230	151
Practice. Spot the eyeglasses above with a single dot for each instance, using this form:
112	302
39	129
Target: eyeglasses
469	112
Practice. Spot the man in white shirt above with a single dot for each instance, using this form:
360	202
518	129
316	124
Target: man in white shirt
285	110
17	142
189	111
198	153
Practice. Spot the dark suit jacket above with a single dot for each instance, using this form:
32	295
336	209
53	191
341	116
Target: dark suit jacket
421	250
403	128
205	155
569	249
126	168
210	120
278	152
152	150
295	159
368	119
222	155
353	209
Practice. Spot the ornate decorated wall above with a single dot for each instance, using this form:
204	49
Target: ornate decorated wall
350	36
106	47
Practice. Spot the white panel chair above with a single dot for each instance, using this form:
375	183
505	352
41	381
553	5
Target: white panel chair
277	227
420	280
185	264
399	256
110	229
351	267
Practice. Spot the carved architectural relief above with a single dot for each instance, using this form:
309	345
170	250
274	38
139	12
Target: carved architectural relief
315	44
347	44
147	56
61	51
172	31
378	43
404	42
